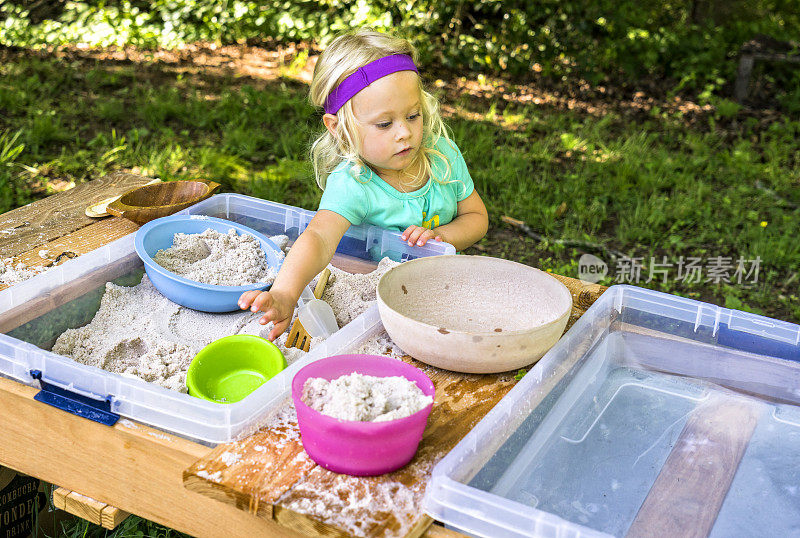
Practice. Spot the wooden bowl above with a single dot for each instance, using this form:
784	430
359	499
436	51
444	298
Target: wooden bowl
161	199
473	314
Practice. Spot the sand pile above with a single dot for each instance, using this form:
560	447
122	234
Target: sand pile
139	332
212	257
13	273
364	397
351	294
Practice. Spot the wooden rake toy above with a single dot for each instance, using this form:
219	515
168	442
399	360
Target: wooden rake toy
298	336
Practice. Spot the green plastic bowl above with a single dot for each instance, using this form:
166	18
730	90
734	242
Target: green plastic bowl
228	369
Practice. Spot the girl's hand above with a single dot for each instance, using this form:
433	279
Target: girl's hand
277	308
310	254
417	235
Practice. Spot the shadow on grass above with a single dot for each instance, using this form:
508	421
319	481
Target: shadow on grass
82	116
636	179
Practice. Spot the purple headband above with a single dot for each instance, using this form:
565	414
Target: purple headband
364	76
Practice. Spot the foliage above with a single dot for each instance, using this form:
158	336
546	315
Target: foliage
650	187
132	527
12	191
692	42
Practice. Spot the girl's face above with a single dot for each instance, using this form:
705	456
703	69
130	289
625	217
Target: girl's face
389	115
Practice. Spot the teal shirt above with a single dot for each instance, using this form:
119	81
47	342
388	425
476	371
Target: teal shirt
370	200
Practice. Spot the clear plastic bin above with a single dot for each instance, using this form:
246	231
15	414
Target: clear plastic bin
580	444
271	218
34	312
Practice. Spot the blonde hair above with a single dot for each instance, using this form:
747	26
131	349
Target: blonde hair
340	59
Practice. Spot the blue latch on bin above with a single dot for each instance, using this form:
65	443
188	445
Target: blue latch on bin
77	404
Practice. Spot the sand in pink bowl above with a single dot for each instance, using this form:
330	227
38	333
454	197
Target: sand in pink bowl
353	447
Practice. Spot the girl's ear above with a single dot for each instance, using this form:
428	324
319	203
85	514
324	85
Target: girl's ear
331	121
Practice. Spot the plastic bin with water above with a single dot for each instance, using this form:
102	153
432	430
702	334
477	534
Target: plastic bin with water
653	415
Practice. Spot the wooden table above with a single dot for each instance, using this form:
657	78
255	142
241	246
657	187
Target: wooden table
134	467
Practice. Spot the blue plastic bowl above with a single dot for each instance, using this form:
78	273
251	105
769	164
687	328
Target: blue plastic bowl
158	234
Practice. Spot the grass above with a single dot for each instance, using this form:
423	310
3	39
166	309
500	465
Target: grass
649	185
132	527
12	190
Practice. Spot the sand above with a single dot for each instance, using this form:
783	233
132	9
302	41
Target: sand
351	294
365	398
138	332
13	273
212	257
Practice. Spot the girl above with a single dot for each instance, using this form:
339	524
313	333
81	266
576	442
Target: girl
384	159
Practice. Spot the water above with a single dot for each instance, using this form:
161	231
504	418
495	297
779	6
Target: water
765	493
592	455
596	465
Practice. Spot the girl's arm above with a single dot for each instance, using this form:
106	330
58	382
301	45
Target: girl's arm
469	226
309	255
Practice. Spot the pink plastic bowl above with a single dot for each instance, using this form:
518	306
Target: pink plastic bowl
360	448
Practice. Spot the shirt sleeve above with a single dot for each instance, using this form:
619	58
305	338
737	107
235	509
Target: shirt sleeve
346	196
462	183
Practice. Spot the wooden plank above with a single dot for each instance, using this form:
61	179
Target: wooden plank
261	480
60	498
79	242
438	531
111	517
102	514
584	294
27	227
305	497
691	487
422	525
765	377
130	466
742	84
776	57
84	507
305	525
352	264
